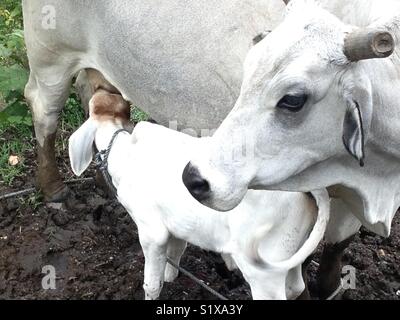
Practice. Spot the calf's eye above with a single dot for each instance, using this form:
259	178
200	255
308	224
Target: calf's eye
293	103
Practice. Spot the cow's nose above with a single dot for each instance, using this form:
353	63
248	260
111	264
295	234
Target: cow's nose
198	187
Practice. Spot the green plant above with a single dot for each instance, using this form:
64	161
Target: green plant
33	200
71	119
12	83
138	115
73	114
9	172
13	66
15	117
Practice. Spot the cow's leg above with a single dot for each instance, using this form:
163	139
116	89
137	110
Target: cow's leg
341	229
46	93
330	269
175	250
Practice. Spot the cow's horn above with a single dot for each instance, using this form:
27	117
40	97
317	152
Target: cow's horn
366	44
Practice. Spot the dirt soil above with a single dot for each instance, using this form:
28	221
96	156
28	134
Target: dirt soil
94	248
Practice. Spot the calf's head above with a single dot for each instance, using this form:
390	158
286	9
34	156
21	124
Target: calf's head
305	98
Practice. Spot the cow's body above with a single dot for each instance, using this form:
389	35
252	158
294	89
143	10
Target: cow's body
178	61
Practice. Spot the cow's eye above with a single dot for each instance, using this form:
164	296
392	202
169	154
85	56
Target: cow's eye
293	103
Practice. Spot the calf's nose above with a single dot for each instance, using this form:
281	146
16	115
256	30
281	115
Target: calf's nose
198	187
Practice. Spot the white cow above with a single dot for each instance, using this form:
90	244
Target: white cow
308	106
180	61
146	170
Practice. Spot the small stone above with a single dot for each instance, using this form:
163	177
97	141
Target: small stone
381	253
398	293
56	206
13	160
60	219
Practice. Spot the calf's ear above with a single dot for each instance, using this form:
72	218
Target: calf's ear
80	147
358	116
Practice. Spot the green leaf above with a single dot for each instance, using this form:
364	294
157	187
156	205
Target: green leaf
4	52
3	118
12	78
17	108
18	33
28	121
13	96
17	12
15	119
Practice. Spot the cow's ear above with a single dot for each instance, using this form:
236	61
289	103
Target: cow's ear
357	118
353	132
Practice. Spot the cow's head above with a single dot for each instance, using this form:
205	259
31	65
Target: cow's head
305	99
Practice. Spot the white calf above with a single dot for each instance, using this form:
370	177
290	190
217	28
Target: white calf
146	169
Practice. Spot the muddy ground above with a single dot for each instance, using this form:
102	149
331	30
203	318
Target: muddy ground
94	248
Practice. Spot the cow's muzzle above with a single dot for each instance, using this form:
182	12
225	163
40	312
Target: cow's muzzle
198	187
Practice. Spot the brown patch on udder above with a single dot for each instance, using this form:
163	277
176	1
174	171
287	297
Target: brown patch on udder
108	106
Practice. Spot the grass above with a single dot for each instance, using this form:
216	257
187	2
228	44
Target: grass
138	115
71	118
14	140
33	200
15	125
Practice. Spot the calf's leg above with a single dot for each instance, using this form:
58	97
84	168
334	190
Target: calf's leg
154	244
268	287
175	250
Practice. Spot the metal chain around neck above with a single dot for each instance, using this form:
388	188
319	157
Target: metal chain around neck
102	162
